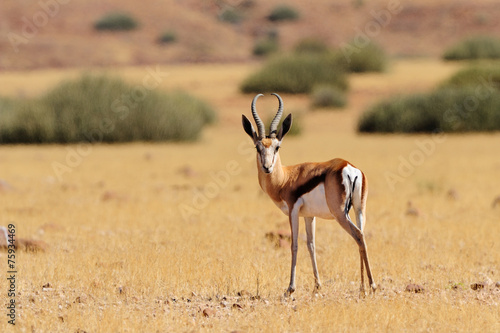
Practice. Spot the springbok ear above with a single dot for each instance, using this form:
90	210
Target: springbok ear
285	127
247	126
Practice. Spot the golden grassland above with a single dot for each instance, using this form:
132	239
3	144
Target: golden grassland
149	237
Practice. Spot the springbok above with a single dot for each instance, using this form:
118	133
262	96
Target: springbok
326	190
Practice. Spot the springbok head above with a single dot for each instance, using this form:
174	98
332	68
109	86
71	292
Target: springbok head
267	146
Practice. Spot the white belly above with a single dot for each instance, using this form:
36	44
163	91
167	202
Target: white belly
312	204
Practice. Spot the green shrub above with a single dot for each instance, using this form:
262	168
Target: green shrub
268	44
104	109
167	37
296	73
116	21
231	15
485	75
283	13
461	109
363	58
311	45
265	46
325	96
479	47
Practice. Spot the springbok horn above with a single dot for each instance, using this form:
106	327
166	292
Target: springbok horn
274	124
261	131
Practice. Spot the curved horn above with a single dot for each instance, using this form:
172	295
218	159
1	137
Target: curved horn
274	124
261	131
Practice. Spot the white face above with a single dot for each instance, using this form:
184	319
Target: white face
267	152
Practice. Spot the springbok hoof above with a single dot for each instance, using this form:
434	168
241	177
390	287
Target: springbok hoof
288	292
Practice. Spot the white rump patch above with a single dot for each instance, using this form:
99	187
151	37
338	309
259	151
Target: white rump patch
349	174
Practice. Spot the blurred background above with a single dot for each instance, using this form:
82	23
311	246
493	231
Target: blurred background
305	48
57	33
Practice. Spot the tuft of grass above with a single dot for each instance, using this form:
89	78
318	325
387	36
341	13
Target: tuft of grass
296	73
325	96
116	21
104	109
478	47
167	37
363	58
283	13
462	109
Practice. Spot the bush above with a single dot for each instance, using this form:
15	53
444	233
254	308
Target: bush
296	73
265	46
479	47
104	109
325	96
311	45
486	75
167	37
367	58
116	21
283	13
448	110
231	15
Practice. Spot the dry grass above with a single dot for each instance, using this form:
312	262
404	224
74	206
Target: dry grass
122	258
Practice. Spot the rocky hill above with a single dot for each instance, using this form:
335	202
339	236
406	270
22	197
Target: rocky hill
60	33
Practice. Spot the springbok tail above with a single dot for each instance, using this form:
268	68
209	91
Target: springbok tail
349	195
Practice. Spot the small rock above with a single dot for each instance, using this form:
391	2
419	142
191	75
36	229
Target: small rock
414	288
237	306
411	210
244	293
81	299
283	243
31	245
224	304
453	194
209	312
4	186
497	284
478	286
280	238
111	195
496	202
187	171
47	285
